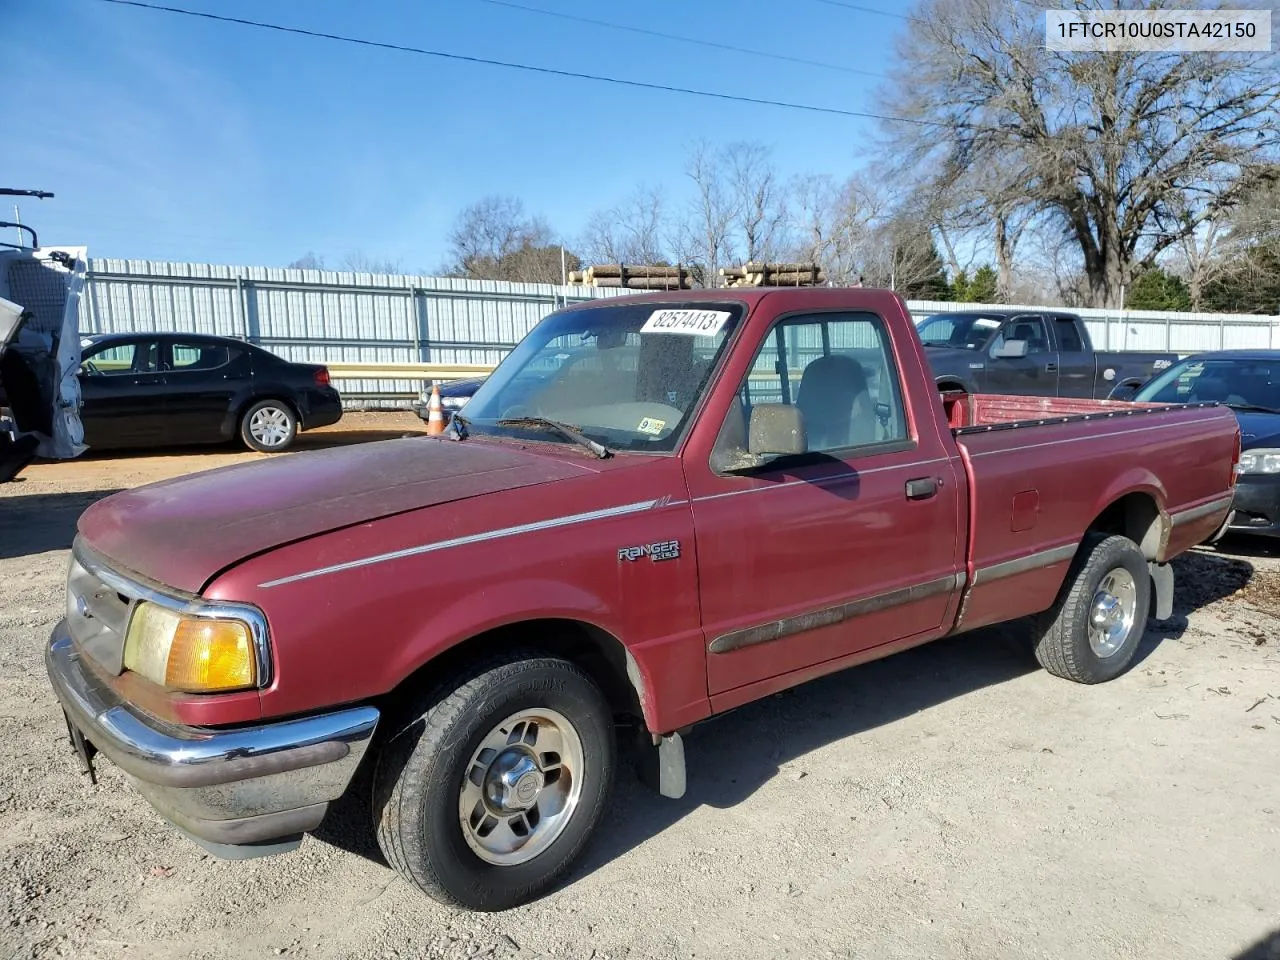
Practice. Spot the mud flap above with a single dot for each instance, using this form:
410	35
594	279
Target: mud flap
660	765
1162	589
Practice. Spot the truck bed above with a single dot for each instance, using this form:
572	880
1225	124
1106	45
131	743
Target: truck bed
1044	469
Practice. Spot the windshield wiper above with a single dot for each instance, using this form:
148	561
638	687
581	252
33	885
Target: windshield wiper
1251	406
573	433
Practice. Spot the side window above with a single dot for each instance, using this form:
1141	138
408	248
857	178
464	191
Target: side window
199	356
121	358
1030	329
1069	340
837	368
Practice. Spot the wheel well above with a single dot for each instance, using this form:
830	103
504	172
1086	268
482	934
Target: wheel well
1135	516
944	385
279	398
596	651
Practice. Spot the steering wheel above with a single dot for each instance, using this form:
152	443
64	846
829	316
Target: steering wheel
91	367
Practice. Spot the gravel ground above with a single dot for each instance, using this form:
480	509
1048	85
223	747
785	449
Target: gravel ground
952	801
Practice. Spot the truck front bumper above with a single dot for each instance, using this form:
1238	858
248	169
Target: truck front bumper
237	792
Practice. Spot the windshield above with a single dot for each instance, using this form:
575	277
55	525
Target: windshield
1234	382
968	331
626	375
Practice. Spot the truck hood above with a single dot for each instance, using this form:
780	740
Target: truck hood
954	359
183	532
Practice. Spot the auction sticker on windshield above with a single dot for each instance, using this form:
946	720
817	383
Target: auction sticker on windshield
691	323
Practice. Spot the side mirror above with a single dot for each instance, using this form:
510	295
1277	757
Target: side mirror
776	430
1124	391
1011	349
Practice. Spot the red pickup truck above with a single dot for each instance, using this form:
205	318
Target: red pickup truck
656	509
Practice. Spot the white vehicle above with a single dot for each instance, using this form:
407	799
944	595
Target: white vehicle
39	349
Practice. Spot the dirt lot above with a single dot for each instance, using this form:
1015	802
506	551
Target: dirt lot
953	801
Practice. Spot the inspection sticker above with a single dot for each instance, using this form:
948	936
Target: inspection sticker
691	323
652	427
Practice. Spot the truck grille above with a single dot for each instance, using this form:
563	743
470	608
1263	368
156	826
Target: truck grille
97	615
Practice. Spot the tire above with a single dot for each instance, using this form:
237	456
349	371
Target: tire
269	426
438	765
1108	568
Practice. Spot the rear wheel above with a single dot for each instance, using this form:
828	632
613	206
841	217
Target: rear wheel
269	426
1093	632
487	798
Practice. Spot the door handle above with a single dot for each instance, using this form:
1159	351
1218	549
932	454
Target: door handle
1050	368
922	488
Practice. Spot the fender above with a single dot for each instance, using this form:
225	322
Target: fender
1138	479
482	610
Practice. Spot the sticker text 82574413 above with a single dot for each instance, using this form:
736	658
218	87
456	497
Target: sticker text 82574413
691	323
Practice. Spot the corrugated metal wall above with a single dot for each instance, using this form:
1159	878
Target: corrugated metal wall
327	316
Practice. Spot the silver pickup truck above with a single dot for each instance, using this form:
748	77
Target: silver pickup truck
39	351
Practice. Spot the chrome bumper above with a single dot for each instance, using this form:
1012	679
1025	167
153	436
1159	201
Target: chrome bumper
226	789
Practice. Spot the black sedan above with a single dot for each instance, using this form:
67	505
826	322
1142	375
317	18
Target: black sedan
162	389
1247	381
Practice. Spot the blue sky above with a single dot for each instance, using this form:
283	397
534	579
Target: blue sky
174	138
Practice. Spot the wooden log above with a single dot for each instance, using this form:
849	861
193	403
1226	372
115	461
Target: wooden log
603	270
804	276
673	273
780	267
657	283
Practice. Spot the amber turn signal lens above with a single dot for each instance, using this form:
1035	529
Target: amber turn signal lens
211	655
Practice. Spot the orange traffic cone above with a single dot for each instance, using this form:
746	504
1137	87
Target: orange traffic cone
435	413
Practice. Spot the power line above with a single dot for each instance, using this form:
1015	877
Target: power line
575	75
861	9
675	36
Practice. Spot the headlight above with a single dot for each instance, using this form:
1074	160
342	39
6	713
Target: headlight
1262	460
454	403
194	654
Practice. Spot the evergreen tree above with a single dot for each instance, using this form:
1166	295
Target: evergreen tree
1155	289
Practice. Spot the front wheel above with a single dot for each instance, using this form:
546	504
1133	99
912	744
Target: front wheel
269	426
1093	632
487	798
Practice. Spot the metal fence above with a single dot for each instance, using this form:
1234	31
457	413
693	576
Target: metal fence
326	316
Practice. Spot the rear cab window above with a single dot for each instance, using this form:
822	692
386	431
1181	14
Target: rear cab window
1069	339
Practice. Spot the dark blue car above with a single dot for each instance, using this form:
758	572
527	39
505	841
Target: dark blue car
1247	381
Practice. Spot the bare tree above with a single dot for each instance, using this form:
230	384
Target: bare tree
494	239
358	262
756	198
308	261
1117	147
834	224
635	231
706	236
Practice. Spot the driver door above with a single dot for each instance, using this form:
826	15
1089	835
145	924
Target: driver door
1036	373
122	388
822	555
